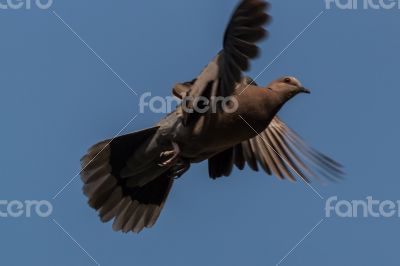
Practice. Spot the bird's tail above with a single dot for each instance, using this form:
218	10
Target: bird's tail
134	197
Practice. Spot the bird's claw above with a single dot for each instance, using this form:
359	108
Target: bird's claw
179	169
172	155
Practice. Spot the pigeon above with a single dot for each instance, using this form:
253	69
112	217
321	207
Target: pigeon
127	179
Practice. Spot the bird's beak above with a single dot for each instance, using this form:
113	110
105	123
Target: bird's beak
304	90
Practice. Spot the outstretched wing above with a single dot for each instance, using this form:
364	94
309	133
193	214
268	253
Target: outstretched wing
277	150
280	151
244	30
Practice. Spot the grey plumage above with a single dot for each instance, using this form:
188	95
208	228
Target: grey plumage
129	178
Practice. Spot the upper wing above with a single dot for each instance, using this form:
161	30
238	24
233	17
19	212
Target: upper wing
279	151
244	30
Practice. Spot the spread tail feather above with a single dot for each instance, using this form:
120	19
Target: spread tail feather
133	206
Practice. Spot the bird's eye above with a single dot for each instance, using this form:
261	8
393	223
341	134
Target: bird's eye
287	80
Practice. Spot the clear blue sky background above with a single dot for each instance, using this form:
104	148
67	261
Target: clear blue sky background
57	99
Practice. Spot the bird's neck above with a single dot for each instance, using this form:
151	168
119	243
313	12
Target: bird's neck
272	101
271	109
263	107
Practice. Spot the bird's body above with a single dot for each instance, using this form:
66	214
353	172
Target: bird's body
255	105
129	177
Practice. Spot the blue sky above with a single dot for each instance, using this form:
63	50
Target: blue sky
57	99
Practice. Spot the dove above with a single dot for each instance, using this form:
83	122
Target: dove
127	179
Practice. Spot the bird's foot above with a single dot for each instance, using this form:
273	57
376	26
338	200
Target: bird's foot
180	168
170	158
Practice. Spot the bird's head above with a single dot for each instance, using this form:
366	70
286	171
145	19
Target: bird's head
287	87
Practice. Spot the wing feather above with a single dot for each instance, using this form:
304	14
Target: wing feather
245	29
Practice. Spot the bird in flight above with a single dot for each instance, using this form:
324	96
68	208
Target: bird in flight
128	178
